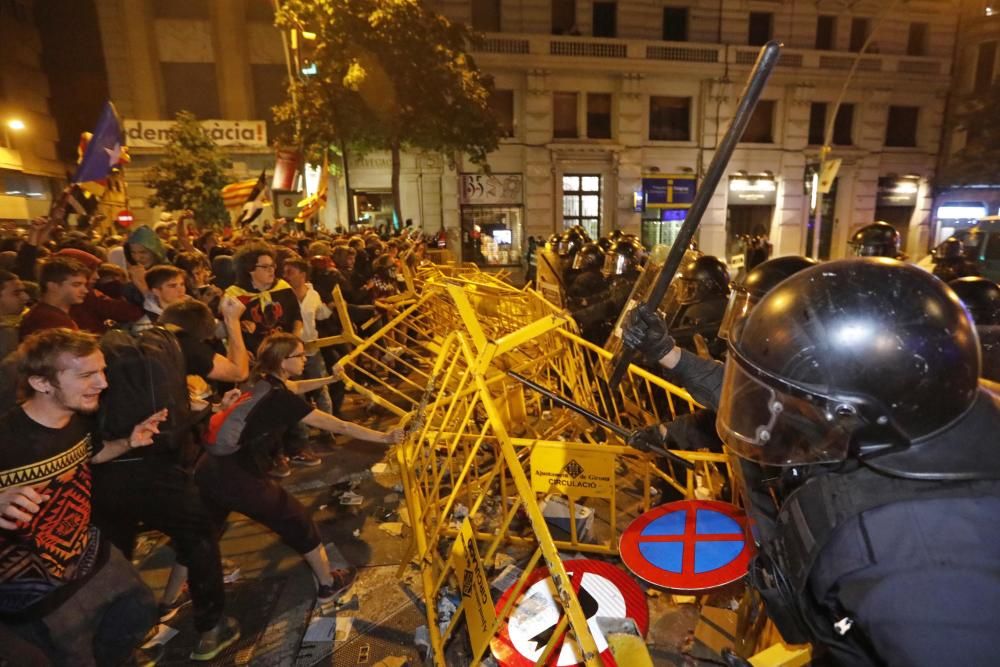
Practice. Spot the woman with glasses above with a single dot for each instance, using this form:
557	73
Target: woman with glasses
270	302
239	481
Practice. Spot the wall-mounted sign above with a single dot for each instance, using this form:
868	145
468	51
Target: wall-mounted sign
158	133
492	189
897	192
669	191
752	191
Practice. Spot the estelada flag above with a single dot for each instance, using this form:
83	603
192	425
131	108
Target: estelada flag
256	201
235	195
314	204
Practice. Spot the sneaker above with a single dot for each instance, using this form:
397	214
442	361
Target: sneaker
307	459
280	468
169	609
342	580
216	640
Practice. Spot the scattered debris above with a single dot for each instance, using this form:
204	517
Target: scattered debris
422	639
357	532
380	468
502	560
459	512
507	578
555	509
391	498
394	528
329	629
164	633
351	498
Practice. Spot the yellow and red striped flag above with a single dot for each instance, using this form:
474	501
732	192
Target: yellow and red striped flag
236	194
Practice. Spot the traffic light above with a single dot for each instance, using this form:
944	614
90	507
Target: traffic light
303	45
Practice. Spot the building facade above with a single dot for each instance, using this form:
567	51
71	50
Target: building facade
612	110
976	66
30	172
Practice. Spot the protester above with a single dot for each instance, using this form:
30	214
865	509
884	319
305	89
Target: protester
13	300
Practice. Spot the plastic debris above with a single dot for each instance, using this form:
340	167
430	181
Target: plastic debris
351	498
394	528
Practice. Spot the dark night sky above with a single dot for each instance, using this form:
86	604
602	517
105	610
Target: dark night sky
73	59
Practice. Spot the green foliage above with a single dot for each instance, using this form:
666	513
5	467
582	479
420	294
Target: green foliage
391	75
979	161
191	174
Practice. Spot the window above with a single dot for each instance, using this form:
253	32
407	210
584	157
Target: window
916	44
760	129
985	65
826	31
191	87
901	129
817	123
564	116
502	107
180	9
270	83
843	126
563	17
670	118
599	115
675	24
605	17
486	15
582	203
860	28
760	30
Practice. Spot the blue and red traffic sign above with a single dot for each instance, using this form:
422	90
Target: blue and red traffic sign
688	545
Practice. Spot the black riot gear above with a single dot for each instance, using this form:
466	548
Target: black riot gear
627	256
702	279
879	239
950	248
553	242
855	358
570	243
589	258
981	297
758	282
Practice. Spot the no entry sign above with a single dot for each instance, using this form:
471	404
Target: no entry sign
688	545
603	590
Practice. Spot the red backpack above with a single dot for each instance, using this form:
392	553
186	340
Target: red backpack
224	435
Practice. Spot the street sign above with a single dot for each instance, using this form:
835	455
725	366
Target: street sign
688	545
604	591
584	470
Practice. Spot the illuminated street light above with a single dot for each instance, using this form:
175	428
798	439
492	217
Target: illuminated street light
16	124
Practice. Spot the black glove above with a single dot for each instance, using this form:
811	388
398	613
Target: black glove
648	436
646	333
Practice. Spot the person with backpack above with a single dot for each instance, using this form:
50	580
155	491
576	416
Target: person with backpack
151	487
241	442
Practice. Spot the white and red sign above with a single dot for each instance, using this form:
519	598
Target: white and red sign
604	591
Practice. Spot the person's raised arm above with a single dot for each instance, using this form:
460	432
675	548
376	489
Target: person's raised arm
235	366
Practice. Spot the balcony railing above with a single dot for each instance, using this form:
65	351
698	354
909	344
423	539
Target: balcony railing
559	46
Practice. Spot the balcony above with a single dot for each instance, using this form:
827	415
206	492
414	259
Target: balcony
557	46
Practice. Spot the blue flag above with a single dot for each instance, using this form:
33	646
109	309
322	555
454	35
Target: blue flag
104	150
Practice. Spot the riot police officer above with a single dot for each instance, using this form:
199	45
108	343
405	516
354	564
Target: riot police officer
702	289
859	378
589	286
950	262
982	298
879	239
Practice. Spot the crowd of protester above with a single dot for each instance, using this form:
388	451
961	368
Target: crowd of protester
229	321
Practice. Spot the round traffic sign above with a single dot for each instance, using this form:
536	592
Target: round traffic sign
688	545
603	591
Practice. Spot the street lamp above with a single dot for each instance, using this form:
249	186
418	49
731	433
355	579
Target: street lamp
824	152
12	125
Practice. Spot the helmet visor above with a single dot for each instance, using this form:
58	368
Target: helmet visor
580	261
771	427
688	291
615	264
740	305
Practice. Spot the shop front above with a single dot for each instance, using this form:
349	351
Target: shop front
492	208
895	202
749	212
664	202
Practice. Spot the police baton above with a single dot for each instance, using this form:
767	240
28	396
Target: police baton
621	432
766	62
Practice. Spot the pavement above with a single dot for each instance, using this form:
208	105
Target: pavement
376	621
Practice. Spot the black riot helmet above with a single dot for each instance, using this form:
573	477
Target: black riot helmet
755	284
866	358
552	243
702	279
605	243
981	297
879	239
950	248
570	243
590	258
626	256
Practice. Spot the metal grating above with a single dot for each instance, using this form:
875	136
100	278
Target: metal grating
503	45
587	49
682	53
